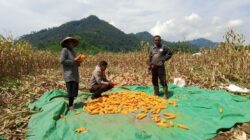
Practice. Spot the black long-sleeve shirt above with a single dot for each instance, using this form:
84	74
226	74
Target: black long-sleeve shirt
159	54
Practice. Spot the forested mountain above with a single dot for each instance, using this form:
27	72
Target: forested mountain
95	35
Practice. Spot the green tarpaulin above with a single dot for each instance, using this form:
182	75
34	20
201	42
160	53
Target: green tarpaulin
198	109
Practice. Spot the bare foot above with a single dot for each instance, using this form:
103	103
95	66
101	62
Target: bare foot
165	96
72	108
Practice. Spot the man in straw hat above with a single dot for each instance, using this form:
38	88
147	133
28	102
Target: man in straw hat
70	68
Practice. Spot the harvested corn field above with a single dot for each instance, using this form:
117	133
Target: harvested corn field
213	68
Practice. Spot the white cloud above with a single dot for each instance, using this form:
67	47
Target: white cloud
216	20
112	23
173	19
235	22
180	29
84	1
162	27
197	34
192	17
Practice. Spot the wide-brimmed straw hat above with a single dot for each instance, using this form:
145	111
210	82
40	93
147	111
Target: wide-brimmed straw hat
69	39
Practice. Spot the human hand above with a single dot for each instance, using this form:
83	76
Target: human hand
77	62
80	58
113	84
149	68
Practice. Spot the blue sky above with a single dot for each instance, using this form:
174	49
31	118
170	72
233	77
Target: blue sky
174	20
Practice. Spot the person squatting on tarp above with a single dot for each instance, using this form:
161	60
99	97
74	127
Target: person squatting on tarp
158	54
98	82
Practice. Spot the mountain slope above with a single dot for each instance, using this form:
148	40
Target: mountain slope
202	42
97	35
91	31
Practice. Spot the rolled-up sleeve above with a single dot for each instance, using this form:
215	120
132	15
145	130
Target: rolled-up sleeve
168	54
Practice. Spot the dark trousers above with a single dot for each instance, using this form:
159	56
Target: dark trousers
72	89
158	72
97	90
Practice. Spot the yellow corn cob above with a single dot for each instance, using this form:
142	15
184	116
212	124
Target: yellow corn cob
171	123
182	126
164	125
81	130
141	116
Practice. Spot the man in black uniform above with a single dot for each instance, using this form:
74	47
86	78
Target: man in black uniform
158	54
